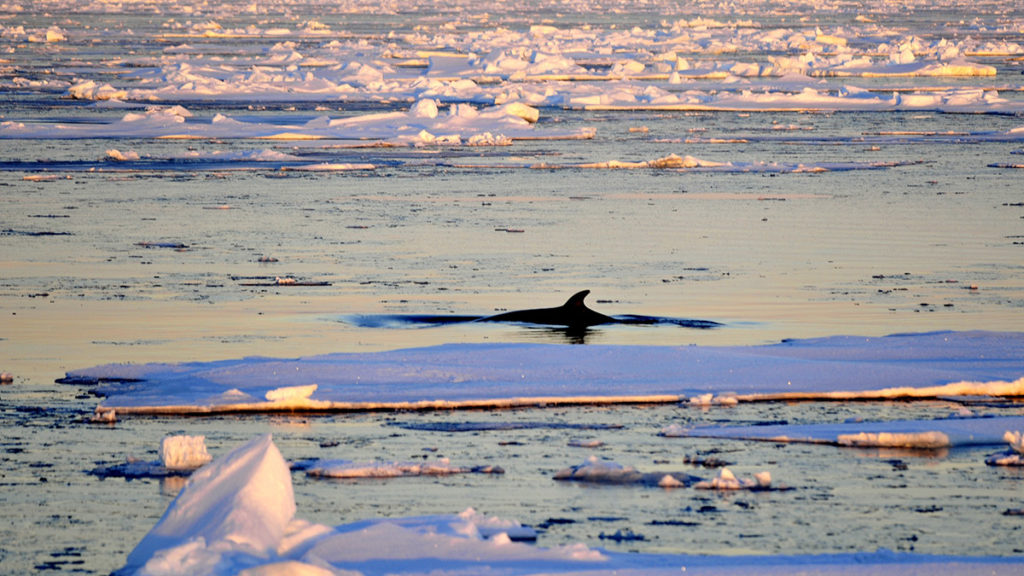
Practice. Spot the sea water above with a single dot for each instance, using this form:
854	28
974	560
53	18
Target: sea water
170	259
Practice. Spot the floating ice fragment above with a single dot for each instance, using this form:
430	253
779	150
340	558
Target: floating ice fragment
930	440
115	154
104	416
183	452
594	470
291	393
726	480
1012	457
348	469
1015	440
707	400
330	167
670	481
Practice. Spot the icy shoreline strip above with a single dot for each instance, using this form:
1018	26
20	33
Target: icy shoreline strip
931	365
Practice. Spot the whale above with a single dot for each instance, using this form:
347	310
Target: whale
573	314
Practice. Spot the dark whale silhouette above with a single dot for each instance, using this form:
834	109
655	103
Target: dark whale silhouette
572	317
573	314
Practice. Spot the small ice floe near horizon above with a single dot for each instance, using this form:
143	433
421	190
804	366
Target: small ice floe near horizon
238	515
1012	457
347	469
593	470
179	455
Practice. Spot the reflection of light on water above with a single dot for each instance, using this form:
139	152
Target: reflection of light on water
171	485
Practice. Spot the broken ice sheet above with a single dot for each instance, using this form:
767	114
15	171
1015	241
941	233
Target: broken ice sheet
596	471
347	469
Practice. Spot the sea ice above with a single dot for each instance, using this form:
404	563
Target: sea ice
928	365
236	516
726	480
921	434
597	471
349	469
1012	457
237	508
182	452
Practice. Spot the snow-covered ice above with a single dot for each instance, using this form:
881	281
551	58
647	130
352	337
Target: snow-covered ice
366	90
1014	456
926	365
350	470
922	434
238	516
726	480
183	452
179	455
593	470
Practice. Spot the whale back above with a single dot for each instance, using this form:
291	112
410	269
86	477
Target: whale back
573	314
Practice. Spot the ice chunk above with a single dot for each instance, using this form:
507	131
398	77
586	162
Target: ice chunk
115	154
240	504
596	470
348	469
726	480
929	440
287	393
670	481
1015	440
1012	457
183	452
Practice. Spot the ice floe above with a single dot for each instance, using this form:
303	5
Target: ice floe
179	454
237	515
927	365
920	434
726	480
661	63
350	470
424	123
596	471
183	452
1012	457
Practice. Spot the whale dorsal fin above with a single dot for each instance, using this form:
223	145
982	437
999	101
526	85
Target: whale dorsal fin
576	300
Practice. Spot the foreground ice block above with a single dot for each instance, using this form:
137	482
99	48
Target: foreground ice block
235	516
239	505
